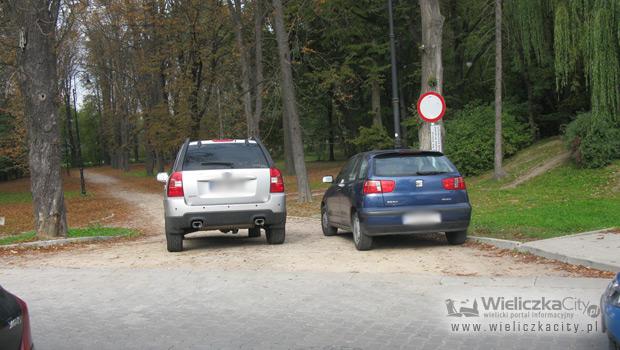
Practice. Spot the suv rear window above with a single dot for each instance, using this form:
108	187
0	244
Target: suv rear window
224	156
411	165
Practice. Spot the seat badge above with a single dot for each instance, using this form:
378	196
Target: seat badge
419	183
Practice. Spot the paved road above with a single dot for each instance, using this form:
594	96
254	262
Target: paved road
194	308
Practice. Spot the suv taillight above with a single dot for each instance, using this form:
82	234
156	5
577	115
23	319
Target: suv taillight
277	183
26	332
453	183
379	186
175	185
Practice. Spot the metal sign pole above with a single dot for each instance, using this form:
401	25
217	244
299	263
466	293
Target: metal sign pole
395	102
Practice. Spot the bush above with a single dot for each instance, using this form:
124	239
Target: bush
372	138
470	137
593	142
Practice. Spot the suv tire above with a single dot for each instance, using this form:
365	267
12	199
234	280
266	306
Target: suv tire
275	235
174	242
456	238
327	229
361	240
254	232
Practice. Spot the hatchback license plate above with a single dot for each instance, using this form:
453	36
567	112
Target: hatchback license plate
421	218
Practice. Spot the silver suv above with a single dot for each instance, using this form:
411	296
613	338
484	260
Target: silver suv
223	185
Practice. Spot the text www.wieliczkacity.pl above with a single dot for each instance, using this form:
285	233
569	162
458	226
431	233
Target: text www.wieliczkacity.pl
525	327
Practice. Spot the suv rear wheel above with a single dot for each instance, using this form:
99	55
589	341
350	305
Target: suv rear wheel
362	241
254	232
174	242
275	235
327	229
456	238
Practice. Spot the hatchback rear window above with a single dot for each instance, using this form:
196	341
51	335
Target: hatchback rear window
224	156
412	165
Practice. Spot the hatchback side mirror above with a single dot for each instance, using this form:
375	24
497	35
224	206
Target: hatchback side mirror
162	177
328	179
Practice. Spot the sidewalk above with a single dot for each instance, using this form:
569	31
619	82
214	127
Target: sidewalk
596	249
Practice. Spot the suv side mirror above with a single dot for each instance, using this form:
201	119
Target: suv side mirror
328	179
162	177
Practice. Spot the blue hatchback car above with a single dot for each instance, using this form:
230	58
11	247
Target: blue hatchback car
610	313
396	192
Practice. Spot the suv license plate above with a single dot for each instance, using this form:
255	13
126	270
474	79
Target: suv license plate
421	218
227	186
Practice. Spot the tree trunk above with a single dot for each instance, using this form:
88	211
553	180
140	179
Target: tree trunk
258	66
69	122
289	162
432	67
149	164
498	171
244	61
375	101
38	84
289	103
330	126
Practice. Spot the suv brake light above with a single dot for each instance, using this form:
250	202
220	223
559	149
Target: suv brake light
223	140
454	183
379	186
276	181
175	185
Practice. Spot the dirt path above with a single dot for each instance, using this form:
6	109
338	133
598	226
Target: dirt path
539	170
306	249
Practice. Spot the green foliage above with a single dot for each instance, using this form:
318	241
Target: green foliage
470	136
372	138
593	142
73	233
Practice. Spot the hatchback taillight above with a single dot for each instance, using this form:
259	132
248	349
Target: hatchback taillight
175	185
379	186
26	332
454	183
277	183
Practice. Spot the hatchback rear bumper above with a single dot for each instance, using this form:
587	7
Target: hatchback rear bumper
389	221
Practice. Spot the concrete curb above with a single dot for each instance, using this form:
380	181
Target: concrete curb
524	247
568	259
499	243
58	242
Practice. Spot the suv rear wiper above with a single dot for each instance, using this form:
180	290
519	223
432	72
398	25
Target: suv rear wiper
431	172
218	163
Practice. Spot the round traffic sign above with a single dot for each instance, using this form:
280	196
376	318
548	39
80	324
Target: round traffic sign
431	107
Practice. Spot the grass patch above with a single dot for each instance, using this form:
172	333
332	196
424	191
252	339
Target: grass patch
26	197
563	201
73	233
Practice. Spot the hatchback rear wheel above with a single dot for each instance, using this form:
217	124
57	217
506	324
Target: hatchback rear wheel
456	238
327	229
361	240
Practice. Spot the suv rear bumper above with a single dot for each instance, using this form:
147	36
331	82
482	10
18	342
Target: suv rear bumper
179	216
389	221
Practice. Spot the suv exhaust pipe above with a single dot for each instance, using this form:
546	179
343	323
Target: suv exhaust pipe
197	224
259	222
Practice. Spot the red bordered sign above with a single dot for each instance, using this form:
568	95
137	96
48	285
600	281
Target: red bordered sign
431	107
